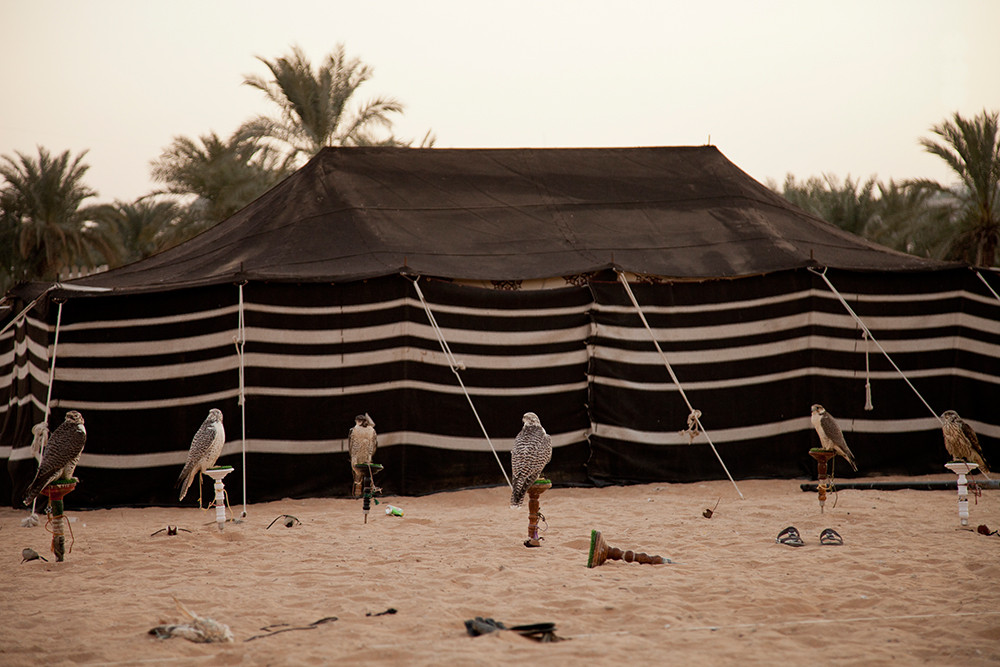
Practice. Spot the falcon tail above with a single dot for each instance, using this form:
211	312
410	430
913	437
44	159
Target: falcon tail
184	481
518	492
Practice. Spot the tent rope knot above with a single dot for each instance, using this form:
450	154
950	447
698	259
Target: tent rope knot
694	415
694	426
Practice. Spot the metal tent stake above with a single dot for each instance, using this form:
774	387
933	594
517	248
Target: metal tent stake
217	474
369	489
600	552
962	468
538	488
56	491
822	456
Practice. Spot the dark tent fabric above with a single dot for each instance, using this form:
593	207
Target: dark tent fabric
508	214
515	252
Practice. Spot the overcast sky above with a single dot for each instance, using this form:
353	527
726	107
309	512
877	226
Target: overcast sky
796	87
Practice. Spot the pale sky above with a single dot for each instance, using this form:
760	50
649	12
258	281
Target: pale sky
796	87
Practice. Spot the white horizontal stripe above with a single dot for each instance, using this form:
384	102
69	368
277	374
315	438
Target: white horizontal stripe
911	324
472	311
539	390
801	424
314	311
852	298
321	337
300	447
943	374
192	316
316	362
801	343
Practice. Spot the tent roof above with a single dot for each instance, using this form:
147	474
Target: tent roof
509	214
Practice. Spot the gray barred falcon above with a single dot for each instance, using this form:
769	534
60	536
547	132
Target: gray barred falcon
61	454
961	441
206	446
361	443
531	452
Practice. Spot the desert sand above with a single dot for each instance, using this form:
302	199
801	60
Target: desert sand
908	586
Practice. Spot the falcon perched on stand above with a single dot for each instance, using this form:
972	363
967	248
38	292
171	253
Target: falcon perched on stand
830	436
61	454
205	449
361	442
961	441
532	450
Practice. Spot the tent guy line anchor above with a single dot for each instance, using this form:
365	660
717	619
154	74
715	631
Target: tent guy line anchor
694	418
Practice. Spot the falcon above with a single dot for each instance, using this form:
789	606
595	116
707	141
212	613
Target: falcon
361	443
961	441
532	450
61	454
830	436
205	449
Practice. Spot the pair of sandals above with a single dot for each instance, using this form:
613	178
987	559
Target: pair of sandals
791	537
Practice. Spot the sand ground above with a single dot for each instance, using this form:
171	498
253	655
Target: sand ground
909	586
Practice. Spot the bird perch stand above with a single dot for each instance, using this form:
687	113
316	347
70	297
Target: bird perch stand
534	512
824	484
217	473
56	491
369	489
600	552
962	468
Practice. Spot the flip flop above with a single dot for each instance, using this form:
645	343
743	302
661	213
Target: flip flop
830	537
790	536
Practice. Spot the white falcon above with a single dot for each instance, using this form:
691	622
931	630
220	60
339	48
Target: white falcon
830	436
961	441
531	452
61	454
361	443
206	446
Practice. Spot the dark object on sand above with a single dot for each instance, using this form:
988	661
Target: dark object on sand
539	632
790	536
830	537
289	521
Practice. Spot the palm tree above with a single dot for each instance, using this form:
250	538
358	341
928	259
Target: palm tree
45	219
851	206
144	227
971	147
315	106
222	176
910	219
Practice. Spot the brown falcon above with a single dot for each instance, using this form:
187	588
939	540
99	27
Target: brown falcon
830	436
206	446
531	452
61	454
961	441
361	443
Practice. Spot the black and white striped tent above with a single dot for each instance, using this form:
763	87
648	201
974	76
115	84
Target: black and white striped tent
447	292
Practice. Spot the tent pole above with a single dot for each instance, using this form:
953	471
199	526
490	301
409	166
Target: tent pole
694	418
48	394
240	341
